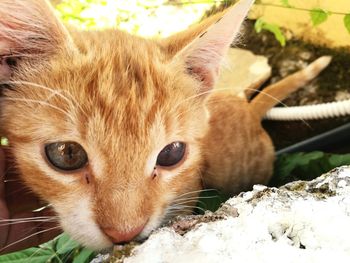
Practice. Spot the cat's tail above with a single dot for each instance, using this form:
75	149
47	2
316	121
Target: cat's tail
278	91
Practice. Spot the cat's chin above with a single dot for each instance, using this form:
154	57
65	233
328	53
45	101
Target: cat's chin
94	239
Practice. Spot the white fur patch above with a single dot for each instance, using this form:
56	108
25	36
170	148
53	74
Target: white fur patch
77	220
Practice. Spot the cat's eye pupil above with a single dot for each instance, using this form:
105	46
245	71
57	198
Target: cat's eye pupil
67	156
171	154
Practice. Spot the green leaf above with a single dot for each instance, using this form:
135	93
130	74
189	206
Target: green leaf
318	16
274	29
258	25
65	244
305	166
347	22
286	3
30	255
84	256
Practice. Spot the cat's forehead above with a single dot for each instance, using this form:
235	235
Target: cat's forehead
114	87
108	69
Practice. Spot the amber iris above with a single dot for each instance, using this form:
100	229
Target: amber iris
66	156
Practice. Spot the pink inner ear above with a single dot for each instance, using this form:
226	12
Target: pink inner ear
4	47
5	71
204	75
205	60
204	55
29	28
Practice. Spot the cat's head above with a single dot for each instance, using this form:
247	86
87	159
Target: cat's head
106	126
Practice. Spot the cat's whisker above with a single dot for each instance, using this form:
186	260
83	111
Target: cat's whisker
174	206
11	180
35	253
215	100
191	208
211	101
185	202
26	218
195	207
180	206
171	215
190	198
55	92
27	237
197	201
195	198
176	211
66	256
185	199
28	221
188	202
43	103
201	94
197	191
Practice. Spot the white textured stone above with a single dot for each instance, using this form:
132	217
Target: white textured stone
273	225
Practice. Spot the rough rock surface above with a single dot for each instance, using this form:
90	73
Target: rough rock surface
299	222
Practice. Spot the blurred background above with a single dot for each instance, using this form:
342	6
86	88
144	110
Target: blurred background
164	17
142	17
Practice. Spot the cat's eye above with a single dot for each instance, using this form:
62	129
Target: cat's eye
66	156
171	154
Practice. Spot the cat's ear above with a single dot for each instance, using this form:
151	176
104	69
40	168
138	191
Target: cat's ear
202	57
29	29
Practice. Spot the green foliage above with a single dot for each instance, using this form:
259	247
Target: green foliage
262	25
318	16
305	166
347	22
286	3
84	255
61	249
30	255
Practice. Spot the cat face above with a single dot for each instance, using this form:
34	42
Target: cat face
120	113
106	126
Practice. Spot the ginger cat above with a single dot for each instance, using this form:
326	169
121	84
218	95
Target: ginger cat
119	132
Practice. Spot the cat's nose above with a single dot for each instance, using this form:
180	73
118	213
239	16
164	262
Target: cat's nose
117	236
